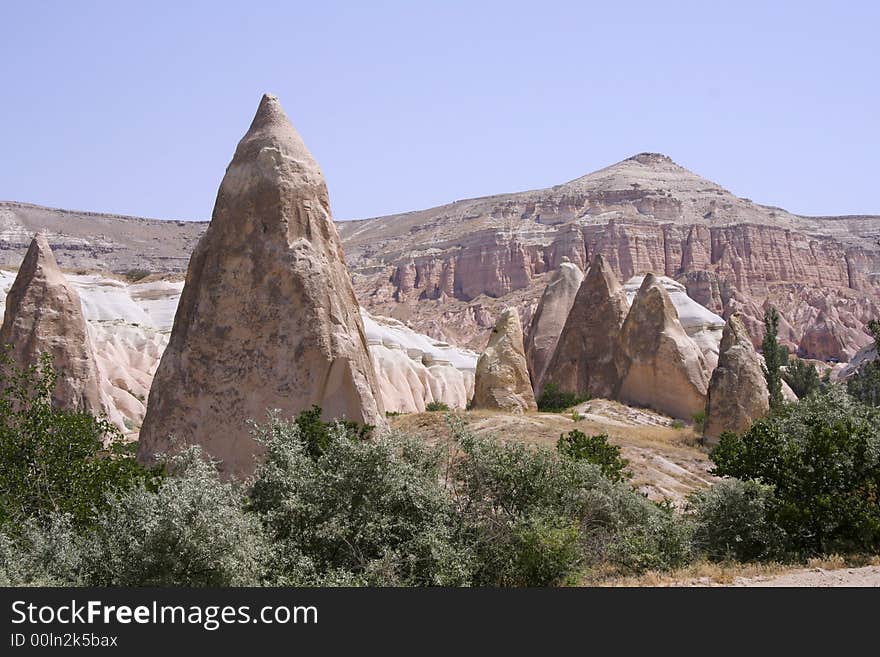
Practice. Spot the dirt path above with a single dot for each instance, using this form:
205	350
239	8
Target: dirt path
817	577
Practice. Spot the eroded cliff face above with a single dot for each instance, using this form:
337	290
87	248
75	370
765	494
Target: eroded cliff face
643	214
450	271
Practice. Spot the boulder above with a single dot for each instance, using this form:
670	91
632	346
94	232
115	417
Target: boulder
737	390
502	377
549	319
584	360
267	318
661	366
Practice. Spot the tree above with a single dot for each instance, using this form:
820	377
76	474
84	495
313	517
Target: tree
822	456
773	358
54	460
864	385
596	450
802	377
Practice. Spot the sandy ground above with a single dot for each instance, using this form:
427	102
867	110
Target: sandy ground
817	577
665	461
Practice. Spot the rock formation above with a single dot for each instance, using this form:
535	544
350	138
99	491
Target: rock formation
737	390
44	315
414	370
268	318
549	319
661	367
502	378
584	361
702	325
449	271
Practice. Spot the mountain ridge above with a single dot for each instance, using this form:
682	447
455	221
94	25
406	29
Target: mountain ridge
448	270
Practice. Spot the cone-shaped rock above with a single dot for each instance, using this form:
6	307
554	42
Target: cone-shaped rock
737	390
268	318
549	319
584	361
502	376
44	315
662	366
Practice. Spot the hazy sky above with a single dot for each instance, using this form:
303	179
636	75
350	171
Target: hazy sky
136	107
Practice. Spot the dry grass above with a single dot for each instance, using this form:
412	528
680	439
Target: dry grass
665	462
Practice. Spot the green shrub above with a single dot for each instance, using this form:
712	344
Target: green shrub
41	552
554	400
661	539
55	461
864	385
822	455
801	377
436	406
596	450
732	520
361	511
699	419
192	531
509	495
316	435
135	275
677	425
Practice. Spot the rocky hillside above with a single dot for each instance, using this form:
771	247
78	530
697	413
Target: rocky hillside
645	213
449	271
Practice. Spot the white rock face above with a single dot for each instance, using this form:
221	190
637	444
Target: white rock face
414	370
129	327
130	323
702	325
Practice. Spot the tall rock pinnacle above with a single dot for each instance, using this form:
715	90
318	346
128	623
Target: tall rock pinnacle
549	319
661	366
268	318
737	390
584	361
44	315
502	376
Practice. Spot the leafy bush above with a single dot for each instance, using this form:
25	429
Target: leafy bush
53	460
510	496
135	275
436	406
192	531
554	400
367	511
801	377
822	455
661	539
41	552
596	450
316	435
864	385
732	521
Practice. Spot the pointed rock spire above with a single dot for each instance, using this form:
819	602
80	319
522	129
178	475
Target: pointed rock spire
268	318
584	360
662	368
502	376
44	315
737	390
549	319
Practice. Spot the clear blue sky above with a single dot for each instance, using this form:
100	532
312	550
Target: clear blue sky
136	107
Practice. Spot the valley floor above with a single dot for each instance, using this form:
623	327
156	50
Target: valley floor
666	460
